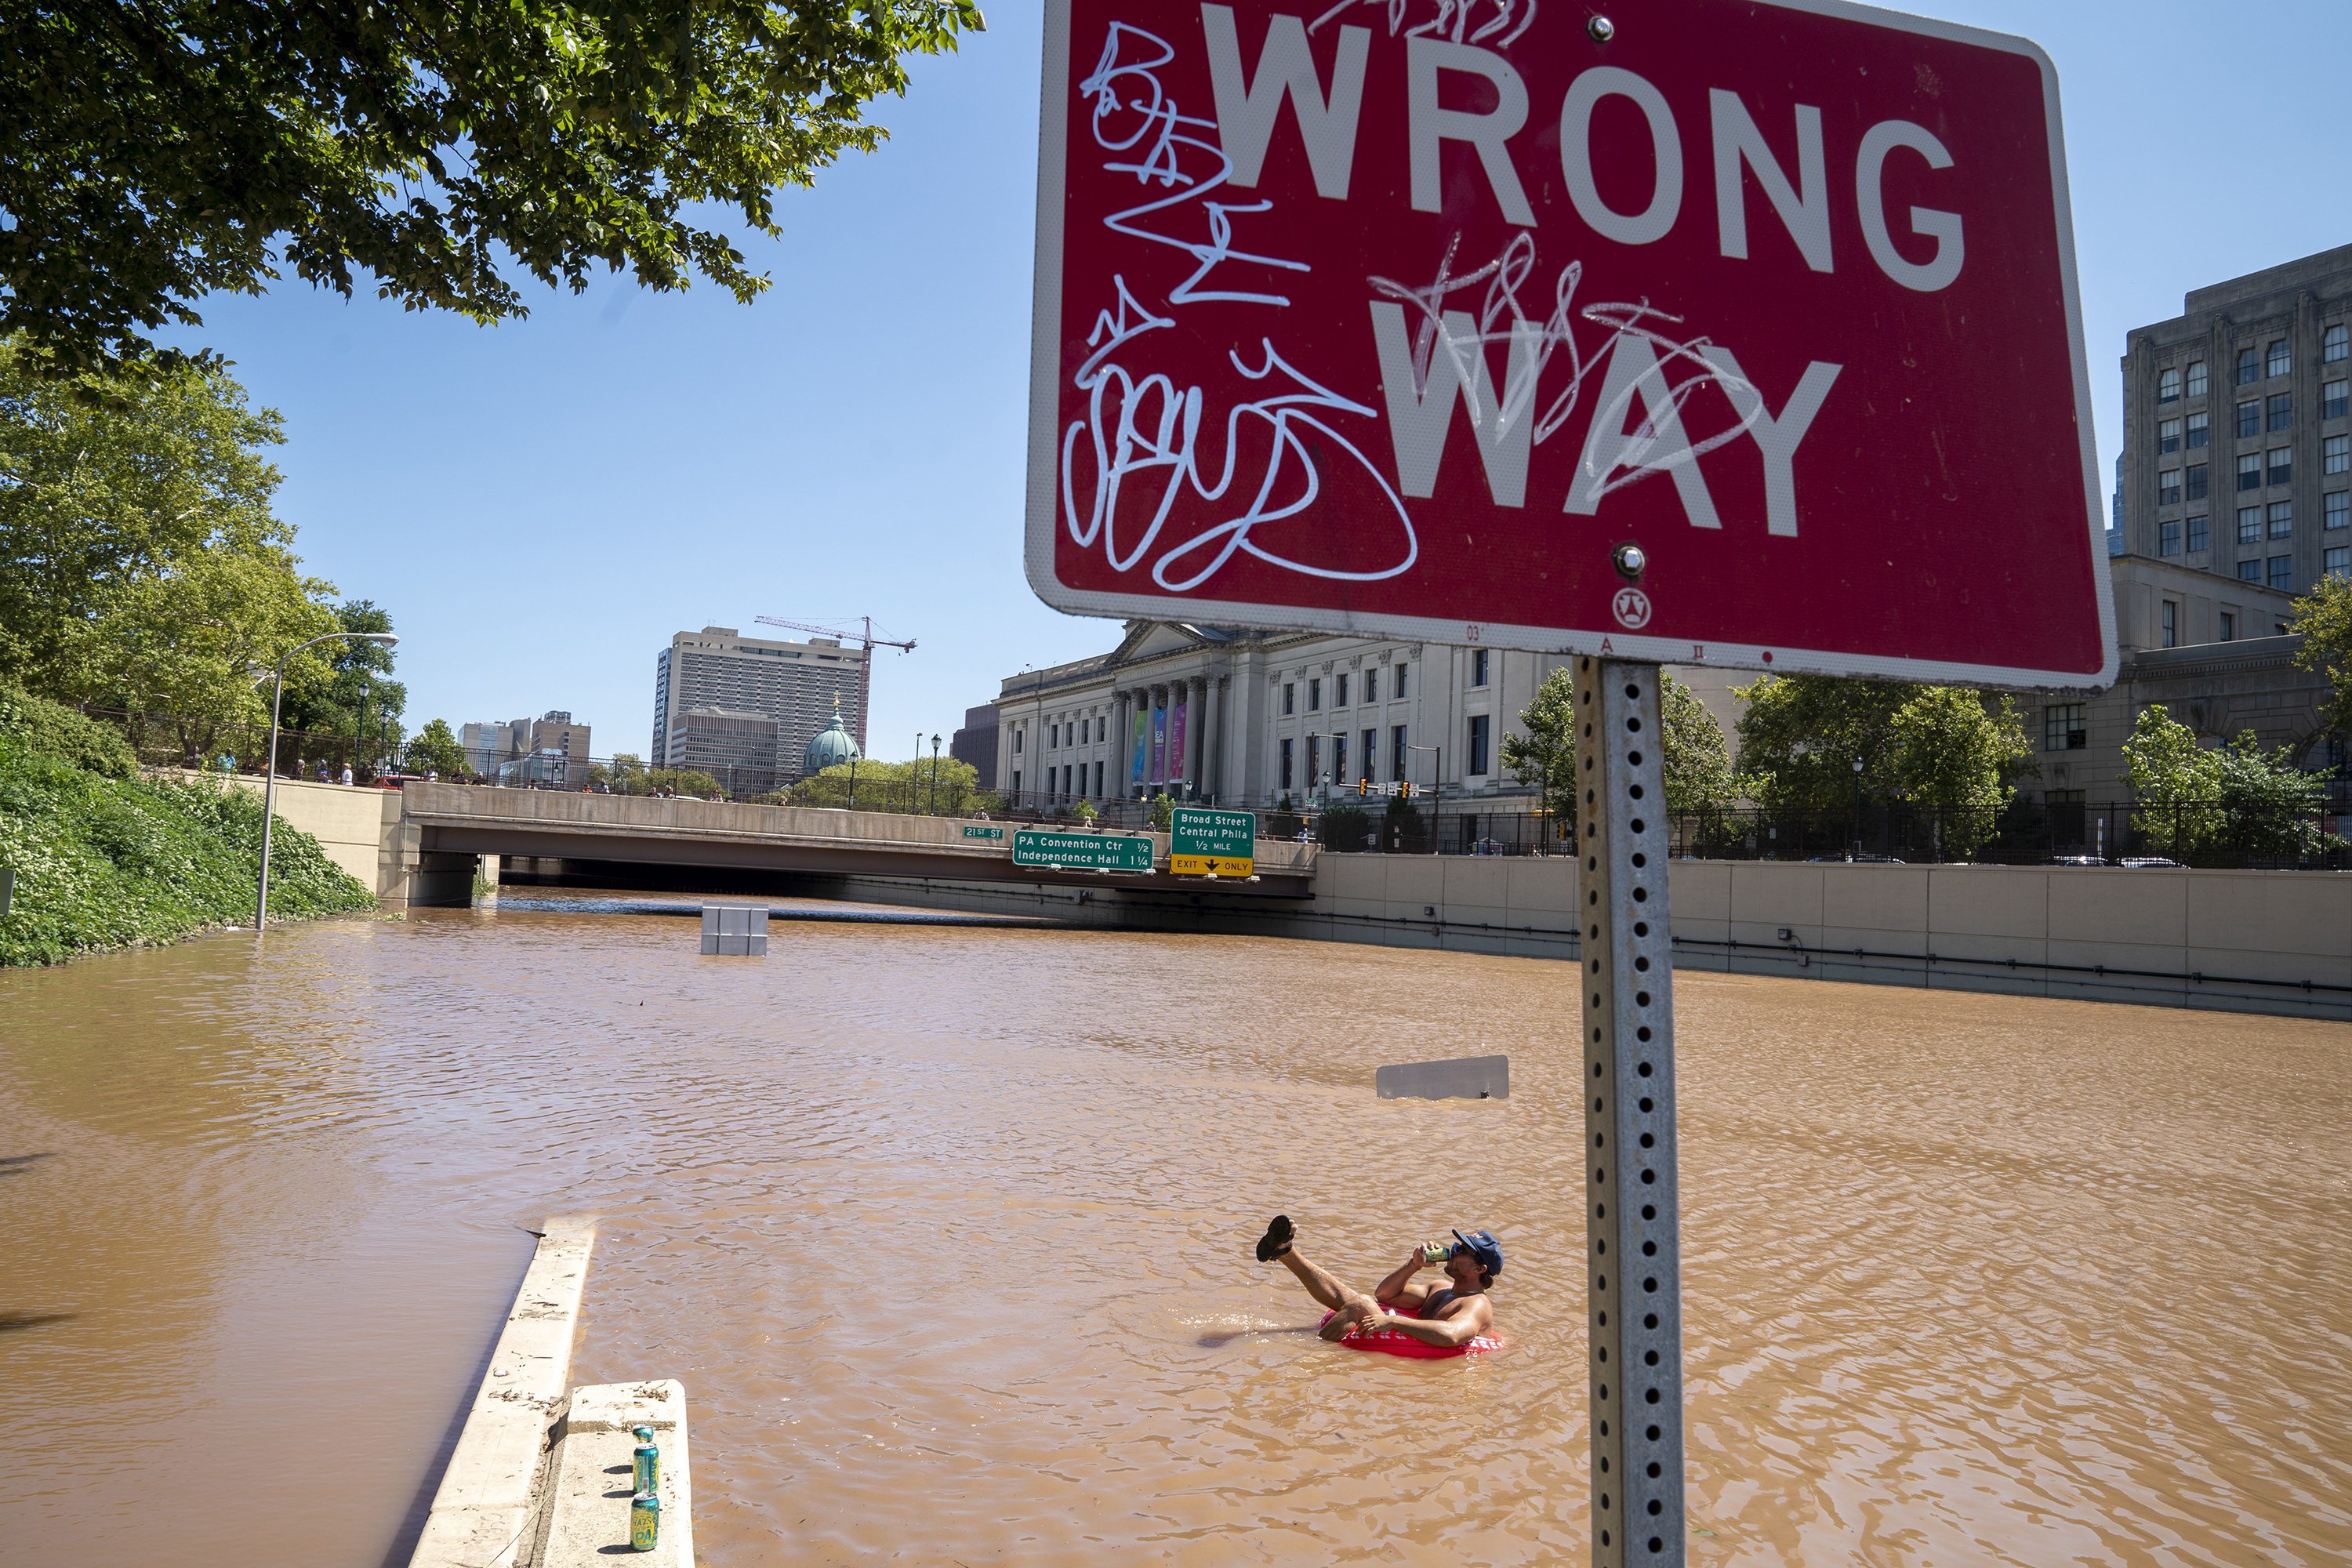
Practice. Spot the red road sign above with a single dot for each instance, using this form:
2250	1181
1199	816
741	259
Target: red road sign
1398	316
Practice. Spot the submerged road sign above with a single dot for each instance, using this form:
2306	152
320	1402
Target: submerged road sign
1404	317
1081	851
1204	842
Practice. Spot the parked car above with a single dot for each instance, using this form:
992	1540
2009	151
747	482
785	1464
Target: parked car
2149	862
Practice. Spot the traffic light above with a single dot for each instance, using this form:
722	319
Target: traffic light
1405	788
1363	788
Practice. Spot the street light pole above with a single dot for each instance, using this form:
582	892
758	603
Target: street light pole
935	775
1857	808
269	763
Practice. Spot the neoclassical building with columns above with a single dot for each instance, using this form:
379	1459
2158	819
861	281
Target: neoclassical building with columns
1246	719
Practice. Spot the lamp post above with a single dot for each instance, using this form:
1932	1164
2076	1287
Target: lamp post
1857	808
269	763
935	775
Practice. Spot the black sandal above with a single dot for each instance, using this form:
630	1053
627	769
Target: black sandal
1277	1239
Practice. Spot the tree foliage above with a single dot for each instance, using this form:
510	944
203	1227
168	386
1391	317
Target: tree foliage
359	698
1800	736
2192	797
436	749
141	564
895	786
1542	751
2323	617
162	151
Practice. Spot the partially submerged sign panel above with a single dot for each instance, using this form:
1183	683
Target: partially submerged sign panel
1402	316
1205	842
1081	851
1461	1078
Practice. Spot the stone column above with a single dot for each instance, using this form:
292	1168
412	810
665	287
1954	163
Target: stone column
1114	769
1213	738
1196	713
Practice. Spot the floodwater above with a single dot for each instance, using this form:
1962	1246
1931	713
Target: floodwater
947	1233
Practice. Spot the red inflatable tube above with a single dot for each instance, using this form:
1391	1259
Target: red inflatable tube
1395	1342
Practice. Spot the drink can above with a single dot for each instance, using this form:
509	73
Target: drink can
648	1468
1435	1252
645	1521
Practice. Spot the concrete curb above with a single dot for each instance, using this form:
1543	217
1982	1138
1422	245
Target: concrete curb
482	1515
586	1514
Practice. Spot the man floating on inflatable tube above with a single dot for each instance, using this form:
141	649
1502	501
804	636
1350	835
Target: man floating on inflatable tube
1404	1315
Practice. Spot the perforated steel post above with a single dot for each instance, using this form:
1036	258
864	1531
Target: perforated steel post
1633	1255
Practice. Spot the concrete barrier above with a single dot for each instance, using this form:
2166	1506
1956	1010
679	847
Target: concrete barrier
2261	942
586	1512
483	1515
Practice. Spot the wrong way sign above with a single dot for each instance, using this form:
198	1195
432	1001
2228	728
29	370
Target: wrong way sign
1407	317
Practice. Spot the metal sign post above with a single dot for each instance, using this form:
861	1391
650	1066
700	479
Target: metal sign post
1633	1255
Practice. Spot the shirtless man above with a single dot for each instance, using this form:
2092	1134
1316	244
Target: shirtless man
1448	1315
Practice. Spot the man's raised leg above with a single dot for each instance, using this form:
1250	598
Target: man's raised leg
1348	1307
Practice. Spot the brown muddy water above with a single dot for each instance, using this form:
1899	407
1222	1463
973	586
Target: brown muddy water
947	1233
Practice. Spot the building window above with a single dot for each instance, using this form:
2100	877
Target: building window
2200	481
2171	623
2167	436
1019	735
1478	671
2250	367
2282	410
2229	625
2336	344
2249	525
2281	519
1286	765
1372	756
2281	359
2334	398
2283	574
1339	695
1315	696
1313	761
2167	487
2064	728
2249	471
1016	781
2282	465
2338	562
2201	537
1340	759
2250	571
2168	538
2168	386
2197	378
1398	689
1396	750
1098	781
1477	743
1289	701
2336	455
2337	511
2250	420
2201	430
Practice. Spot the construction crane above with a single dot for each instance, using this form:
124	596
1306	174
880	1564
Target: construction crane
867	642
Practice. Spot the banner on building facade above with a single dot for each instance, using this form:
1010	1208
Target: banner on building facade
1158	743
1176	717
1142	746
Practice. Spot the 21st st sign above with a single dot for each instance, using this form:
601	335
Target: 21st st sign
1401	316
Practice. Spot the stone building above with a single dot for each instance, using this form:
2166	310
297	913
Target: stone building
798	685
2237	456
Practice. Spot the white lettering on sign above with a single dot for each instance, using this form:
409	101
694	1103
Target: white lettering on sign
1428	125
1424	378
1575	156
1870	194
1805	207
1247	107
1776	438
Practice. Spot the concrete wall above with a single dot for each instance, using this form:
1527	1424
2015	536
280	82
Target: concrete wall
2270	942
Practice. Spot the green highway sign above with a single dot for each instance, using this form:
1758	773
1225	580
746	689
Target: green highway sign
1201	831
977	832
1081	851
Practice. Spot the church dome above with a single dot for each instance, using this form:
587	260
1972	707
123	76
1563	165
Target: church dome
830	748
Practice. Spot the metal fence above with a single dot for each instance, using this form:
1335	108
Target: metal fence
169	740
2203	834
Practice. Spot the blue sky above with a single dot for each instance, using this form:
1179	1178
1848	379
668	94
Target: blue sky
541	504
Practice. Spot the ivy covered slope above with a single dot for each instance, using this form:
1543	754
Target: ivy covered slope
105	859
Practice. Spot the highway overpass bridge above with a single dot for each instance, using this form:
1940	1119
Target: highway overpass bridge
432	843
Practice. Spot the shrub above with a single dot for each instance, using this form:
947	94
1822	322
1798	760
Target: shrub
53	729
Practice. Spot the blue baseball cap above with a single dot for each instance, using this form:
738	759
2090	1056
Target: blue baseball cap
1482	1245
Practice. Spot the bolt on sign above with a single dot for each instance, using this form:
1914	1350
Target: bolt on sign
1202	842
1400	317
1081	851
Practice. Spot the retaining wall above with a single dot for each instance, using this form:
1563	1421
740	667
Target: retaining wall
2270	941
